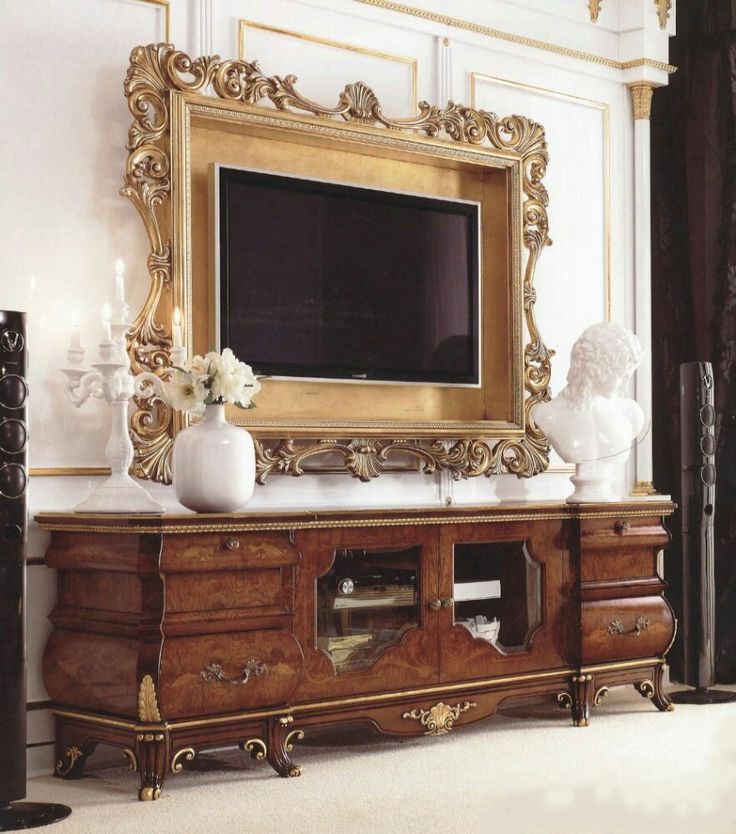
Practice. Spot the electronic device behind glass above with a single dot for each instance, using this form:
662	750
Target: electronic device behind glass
324	281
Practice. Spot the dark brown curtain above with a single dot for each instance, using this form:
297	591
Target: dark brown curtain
694	279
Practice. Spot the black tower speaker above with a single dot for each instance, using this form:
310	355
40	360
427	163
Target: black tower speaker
13	534
698	467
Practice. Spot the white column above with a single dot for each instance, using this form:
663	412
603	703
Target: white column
641	96
444	71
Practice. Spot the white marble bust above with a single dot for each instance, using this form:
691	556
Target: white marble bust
589	423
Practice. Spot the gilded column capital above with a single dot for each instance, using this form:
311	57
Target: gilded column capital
641	98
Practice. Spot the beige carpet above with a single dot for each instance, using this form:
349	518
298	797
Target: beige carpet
527	770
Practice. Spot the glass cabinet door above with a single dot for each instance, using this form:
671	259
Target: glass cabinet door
366	603
497	592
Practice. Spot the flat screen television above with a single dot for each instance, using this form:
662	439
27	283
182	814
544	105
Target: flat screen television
325	281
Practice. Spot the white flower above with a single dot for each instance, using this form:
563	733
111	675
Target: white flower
185	391
212	378
233	381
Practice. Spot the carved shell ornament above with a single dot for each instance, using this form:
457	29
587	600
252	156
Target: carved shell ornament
157	70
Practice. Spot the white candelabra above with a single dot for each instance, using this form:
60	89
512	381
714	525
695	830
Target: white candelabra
110	379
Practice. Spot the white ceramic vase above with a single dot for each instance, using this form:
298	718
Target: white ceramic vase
214	464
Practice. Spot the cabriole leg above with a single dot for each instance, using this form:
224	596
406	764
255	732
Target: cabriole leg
280	737
652	689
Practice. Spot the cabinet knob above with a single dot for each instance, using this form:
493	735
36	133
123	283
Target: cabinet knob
622	526
434	605
448	603
232	544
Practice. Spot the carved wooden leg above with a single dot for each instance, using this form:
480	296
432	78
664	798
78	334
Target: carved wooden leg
279	745
151	750
653	691
73	747
71	759
582	698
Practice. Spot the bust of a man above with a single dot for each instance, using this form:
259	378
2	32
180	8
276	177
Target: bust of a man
589	423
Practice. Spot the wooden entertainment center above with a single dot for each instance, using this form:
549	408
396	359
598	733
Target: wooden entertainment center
178	633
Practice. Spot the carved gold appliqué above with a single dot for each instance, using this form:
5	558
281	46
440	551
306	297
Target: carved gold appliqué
72	755
147	704
664	7
155	71
440	719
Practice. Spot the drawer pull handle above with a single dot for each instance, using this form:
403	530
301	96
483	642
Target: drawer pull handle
434	604
622	526
232	544
641	624
215	672
447	603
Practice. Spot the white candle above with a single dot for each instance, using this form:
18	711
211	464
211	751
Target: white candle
176	329
75	338
119	282
106	316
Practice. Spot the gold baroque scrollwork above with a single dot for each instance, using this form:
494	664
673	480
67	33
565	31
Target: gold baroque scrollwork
256	747
186	753
157	70
440	719
594	7
72	755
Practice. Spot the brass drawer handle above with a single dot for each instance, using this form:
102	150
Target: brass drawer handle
434	604
622	526
232	544
215	672
447	603
641	624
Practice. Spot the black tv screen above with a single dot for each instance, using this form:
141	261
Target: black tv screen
321	280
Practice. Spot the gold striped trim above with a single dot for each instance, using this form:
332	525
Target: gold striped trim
488	31
326	524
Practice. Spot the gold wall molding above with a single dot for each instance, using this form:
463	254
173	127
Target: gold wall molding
641	99
166	7
664	7
157	74
498	34
412	63
59	471
594	7
605	109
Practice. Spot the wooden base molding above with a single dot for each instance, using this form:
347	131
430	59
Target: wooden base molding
170	640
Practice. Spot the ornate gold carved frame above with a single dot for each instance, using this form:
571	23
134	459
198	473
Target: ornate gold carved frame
508	157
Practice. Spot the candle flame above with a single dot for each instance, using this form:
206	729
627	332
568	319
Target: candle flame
119	267
177	316
76	317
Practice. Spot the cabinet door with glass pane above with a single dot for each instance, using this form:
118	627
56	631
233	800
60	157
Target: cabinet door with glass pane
502	598
368	625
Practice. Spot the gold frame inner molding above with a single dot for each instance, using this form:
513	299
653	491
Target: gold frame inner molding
189	114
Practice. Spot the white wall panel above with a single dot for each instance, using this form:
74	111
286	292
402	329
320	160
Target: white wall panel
62	222
323	65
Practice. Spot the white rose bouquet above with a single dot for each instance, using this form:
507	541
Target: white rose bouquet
213	379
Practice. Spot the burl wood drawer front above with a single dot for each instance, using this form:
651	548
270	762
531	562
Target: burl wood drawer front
227	551
228	590
625	629
218	673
